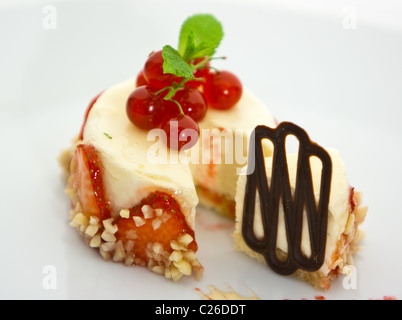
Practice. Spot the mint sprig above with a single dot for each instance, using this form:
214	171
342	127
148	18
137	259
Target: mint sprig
200	36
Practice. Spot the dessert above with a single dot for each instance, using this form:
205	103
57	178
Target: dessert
128	201
226	143
134	212
181	133
304	220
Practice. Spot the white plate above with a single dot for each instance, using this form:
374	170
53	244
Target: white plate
343	84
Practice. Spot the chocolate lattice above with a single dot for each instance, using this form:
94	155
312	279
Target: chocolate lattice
280	189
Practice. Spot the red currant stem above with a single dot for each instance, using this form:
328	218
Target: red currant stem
161	90
200	64
196	79
182	82
174	87
219	58
213	68
203	63
172	91
178	104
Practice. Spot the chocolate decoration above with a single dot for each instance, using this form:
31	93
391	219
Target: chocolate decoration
280	188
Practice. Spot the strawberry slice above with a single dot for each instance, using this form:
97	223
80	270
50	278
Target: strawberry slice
157	219
89	182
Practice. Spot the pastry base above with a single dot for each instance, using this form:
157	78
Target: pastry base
342	256
217	201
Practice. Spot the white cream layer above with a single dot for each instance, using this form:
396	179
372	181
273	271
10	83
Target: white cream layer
129	175
338	205
231	130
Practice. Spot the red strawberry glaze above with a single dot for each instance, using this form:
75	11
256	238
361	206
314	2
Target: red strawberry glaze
89	182
171	225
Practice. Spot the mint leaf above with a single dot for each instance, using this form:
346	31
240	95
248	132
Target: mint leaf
200	35
190	50
174	63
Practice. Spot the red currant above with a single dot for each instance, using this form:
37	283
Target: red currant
192	102
153	72
140	81
222	90
144	108
182	132
171	110
91	104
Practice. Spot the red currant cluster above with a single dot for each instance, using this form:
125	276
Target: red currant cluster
176	105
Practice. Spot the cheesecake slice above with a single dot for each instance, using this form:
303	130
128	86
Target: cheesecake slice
139	210
345	214
133	211
222	151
